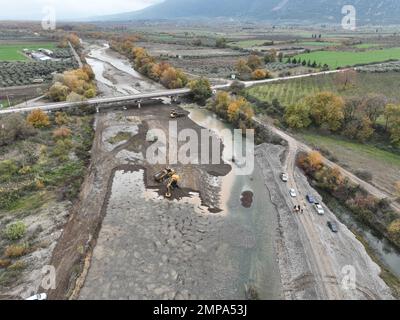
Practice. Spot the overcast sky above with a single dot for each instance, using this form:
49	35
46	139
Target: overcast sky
33	9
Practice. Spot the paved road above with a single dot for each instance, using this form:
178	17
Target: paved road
154	95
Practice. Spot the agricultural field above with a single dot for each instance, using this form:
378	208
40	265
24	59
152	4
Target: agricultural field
384	165
248	43
289	92
318	43
336	59
23	73
13	52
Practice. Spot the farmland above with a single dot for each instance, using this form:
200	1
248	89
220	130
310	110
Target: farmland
289	92
383	165
336	59
13	52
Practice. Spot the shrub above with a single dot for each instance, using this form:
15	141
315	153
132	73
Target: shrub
62	133
394	230
15	231
58	92
18	266
15	251
38	119
13	127
364	175
4	263
61	118
62	149
7	169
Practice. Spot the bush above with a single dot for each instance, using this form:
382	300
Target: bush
394	230
62	133
4	263
15	251
13	127
62	149
364	175
7	169
15	231
38	119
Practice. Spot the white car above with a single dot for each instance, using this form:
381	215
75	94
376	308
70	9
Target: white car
40	296
293	193
320	209
284	177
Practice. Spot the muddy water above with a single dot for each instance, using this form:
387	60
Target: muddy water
258	266
388	254
116	74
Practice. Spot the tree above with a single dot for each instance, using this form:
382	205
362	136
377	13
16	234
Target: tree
394	230
254	62
38	119
326	108
271	56
259	74
200	90
297	116
238	106
242	68
345	79
221	103
58	92
315	160
392	115
220	43
374	106
237	86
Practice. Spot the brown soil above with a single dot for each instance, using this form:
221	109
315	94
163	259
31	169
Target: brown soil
71	256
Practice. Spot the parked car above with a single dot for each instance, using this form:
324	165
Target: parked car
293	193
319	208
333	226
310	199
284	177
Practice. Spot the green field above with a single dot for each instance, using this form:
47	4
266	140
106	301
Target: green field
248	43
335	59
365	150
366	45
318	43
289	92
13	52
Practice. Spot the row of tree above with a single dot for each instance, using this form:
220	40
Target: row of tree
355	117
366	207
147	65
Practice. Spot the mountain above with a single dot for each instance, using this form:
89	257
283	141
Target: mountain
321	11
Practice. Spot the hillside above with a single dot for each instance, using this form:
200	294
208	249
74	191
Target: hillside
322	11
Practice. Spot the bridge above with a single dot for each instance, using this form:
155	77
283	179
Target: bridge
105	102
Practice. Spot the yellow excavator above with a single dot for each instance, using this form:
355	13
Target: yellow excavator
171	177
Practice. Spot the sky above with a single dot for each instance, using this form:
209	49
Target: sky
67	9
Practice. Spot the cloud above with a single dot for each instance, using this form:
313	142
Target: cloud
68	9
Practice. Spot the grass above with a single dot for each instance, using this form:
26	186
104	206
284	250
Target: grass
366	45
119	137
365	150
13	52
335	59
248	43
289	92
318	43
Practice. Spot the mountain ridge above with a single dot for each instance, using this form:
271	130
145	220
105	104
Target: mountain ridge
321	11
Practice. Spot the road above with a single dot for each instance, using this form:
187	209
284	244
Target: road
319	244
153	95
295	146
